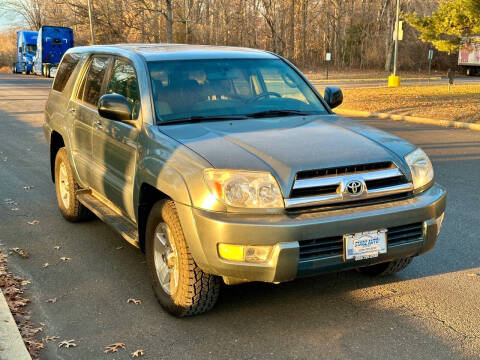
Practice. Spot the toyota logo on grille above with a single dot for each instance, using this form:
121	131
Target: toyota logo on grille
354	188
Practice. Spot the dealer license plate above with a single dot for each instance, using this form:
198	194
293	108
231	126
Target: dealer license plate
365	245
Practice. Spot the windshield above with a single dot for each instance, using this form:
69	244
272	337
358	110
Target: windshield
30	48
236	88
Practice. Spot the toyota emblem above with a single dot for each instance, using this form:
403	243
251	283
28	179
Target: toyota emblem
354	188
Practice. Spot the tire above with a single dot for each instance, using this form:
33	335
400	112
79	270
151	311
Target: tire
388	268
190	290
71	209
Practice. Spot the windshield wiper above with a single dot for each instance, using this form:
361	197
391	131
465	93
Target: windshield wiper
197	118
273	113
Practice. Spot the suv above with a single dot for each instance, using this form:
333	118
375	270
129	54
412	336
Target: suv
223	162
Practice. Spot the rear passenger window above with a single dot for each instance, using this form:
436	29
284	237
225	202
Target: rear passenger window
91	89
65	71
123	81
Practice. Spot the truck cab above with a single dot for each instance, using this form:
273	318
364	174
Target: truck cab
26	48
52	43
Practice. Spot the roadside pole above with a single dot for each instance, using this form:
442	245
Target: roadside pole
328	58
430	57
394	80
91	22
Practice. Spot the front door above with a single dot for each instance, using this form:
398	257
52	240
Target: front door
115	142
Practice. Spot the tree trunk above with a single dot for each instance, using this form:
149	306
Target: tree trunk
169	18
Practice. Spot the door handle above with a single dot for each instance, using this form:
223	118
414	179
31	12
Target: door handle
98	125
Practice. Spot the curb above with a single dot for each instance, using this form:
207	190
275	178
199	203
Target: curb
12	346
374	79
413	119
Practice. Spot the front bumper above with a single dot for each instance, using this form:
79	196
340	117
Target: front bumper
204	230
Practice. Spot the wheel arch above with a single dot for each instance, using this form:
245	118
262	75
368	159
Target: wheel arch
56	143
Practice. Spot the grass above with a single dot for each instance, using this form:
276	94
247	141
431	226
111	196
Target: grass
435	102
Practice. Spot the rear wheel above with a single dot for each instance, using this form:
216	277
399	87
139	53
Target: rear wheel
387	268
66	188
181	287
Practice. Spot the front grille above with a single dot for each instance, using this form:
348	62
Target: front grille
333	245
327	187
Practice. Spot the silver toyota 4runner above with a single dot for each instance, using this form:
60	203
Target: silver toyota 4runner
226	163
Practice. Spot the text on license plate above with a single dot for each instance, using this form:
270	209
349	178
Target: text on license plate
365	245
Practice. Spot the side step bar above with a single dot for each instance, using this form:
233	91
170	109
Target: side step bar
124	226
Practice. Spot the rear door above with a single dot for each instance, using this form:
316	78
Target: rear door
83	109
115	142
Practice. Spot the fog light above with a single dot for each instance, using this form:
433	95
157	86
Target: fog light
254	254
231	252
439	222
258	254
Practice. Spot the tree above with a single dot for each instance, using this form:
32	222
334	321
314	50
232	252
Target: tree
446	27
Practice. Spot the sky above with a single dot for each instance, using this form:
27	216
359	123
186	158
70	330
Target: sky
9	19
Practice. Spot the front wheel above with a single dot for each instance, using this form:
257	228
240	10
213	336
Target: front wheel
388	268
181	287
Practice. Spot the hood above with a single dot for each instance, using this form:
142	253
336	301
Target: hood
286	145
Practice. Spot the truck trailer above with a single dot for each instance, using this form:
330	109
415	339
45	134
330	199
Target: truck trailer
469	55
26	48
52	43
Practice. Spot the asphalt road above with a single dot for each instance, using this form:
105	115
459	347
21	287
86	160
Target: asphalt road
429	311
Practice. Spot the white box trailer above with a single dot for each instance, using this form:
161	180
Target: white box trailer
469	55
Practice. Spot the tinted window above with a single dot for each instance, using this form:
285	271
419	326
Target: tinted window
124	82
92	85
65	71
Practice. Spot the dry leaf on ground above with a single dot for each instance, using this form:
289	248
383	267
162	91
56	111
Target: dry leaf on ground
67	343
138	353
22	253
34	222
46	265
51	301
135	301
29	187
50	338
64	258
57	247
114	347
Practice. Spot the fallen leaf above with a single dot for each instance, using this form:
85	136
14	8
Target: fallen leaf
135	301
45	265
64	258
138	353
34	222
67	343
29	187
24	254
119	248
56	247
114	347
25	282
51	301
50	338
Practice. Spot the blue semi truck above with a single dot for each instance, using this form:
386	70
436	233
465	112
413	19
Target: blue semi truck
26	49
52	43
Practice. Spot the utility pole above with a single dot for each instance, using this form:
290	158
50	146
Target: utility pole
92	34
397	31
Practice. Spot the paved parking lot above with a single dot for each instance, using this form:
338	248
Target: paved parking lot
429	311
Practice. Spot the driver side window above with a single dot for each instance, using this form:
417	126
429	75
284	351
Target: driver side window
123	81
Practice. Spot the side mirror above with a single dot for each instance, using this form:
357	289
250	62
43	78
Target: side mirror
333	96
114	107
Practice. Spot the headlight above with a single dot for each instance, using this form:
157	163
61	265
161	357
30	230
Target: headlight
244	189
420	167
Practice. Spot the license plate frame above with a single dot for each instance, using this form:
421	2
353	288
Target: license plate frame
364	245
